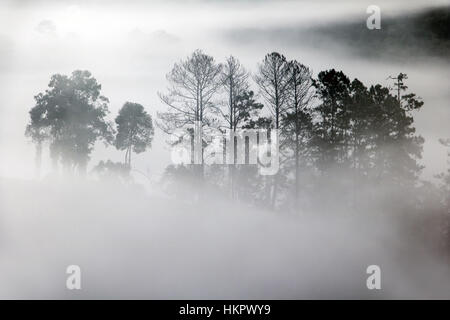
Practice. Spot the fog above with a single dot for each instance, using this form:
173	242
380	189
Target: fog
137	241
129	244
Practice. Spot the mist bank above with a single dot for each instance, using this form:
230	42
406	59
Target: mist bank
131	244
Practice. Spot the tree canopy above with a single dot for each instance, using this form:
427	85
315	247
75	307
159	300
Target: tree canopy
71	115
134	130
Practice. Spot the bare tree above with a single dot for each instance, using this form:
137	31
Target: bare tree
192	85
234	78
273	80
298	114
399	85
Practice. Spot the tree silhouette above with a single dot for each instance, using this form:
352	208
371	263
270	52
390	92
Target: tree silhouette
245	116
234	78
297	121
73	113
363	136
399	85
193	82
397	149
333	91
273	81
134	130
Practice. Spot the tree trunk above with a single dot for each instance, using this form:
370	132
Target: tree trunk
277	114
129	157
126	156
232	145
297	160
38	160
